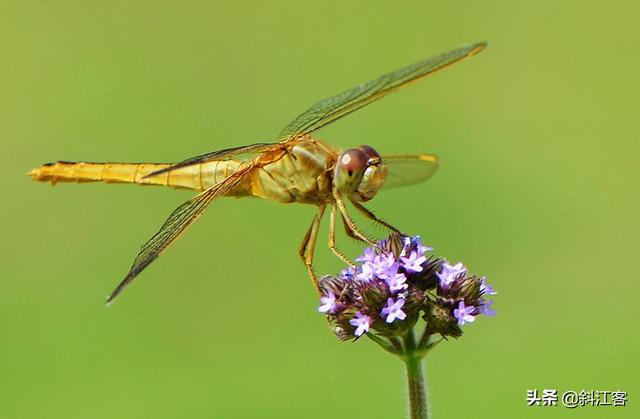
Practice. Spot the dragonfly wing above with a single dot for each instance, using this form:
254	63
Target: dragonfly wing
179	220
216	155
335	107
409	170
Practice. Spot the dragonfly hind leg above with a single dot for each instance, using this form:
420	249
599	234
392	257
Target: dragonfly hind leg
307	247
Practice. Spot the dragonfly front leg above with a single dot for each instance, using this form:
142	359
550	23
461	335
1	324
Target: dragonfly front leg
308	245
348	230
332	238
347	219
370	215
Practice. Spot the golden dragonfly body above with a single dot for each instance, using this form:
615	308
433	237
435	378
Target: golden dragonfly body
296	168
294	172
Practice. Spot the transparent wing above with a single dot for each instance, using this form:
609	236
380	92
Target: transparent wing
409	170
333	108
179	220
216	155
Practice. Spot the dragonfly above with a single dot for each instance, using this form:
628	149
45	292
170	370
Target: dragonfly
295	167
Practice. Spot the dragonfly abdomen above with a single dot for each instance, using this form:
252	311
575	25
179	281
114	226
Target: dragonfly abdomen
63	171
197	177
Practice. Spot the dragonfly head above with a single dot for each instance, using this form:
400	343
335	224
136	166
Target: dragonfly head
359	173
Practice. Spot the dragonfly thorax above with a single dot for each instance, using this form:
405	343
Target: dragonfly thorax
359	173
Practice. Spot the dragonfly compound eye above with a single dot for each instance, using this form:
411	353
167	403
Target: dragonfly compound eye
353	162
372	155
349	169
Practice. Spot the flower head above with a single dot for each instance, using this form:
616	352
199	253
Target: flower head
395	285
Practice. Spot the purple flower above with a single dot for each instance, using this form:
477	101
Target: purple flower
397	282
328	303
366	272
385	266
449	273
390	272
486	308
414	262
368	255
348	273
393	310
464	314
361	322
487	289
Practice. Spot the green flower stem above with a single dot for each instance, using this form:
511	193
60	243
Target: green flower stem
418	408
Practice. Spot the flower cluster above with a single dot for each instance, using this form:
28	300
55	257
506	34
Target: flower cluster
394	285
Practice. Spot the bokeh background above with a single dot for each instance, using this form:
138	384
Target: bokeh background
538	190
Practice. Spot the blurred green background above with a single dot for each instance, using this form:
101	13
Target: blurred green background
538	190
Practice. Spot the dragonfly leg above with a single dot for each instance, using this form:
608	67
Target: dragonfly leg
347	219
348	231
332	238
307	247
367	213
